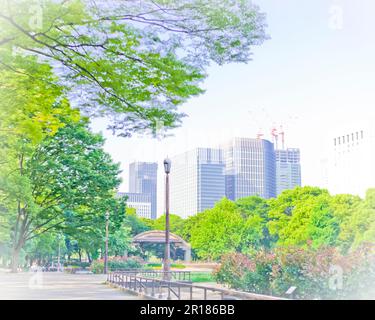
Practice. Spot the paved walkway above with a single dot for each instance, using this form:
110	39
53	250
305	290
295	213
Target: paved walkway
56	286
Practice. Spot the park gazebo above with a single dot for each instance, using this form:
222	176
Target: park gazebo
158	236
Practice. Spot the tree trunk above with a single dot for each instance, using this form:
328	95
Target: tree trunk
88	256
15	259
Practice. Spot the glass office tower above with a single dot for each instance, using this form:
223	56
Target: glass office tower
288	169
250	168
143	180
197	181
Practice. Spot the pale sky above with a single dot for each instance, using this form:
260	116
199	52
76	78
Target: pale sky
315	74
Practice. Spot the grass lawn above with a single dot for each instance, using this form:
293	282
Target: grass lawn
202	277
196	276
158	266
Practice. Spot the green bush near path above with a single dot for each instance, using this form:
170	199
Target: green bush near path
78	264
323	273
116	264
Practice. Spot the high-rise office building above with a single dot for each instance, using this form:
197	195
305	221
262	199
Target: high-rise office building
351	166
197	181
141	202
249	168
143	180
288	169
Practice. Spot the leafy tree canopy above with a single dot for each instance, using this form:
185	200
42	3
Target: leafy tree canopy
176	223
360	226
132	61
303	215
67	183
254	211
217	230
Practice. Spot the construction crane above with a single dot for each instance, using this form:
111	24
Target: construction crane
275	136
282	134
261	118
260	134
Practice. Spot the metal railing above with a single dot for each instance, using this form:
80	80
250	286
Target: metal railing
162	289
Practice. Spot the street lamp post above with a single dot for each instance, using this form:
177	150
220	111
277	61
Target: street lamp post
59	253
166	268
106	243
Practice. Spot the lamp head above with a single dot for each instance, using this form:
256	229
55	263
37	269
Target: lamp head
167	165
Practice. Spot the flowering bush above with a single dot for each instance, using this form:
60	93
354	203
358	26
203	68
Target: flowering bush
260	279
317	274
233	269
307	269
115	263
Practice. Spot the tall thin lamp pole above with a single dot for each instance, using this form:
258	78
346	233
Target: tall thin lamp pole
106	243
167	254
59	253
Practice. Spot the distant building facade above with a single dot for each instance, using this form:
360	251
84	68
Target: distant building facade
141	202
352	161
250	168
288	169
143	180
197	181
199	178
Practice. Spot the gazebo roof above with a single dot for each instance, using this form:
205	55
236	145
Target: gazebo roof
157	236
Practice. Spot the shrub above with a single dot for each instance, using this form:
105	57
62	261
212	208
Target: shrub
313	272
259	279
77	264
97	266
233	270
307	269
117	263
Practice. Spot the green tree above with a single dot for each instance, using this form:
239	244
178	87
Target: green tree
217	231
345	206
137	225
134	62
254	211
71	183
43	249
303	215
120	241
176	223
360	226
30	111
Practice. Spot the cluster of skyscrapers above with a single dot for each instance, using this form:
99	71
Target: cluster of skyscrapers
239	168
199	178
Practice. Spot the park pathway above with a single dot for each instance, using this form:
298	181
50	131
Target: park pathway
56	286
